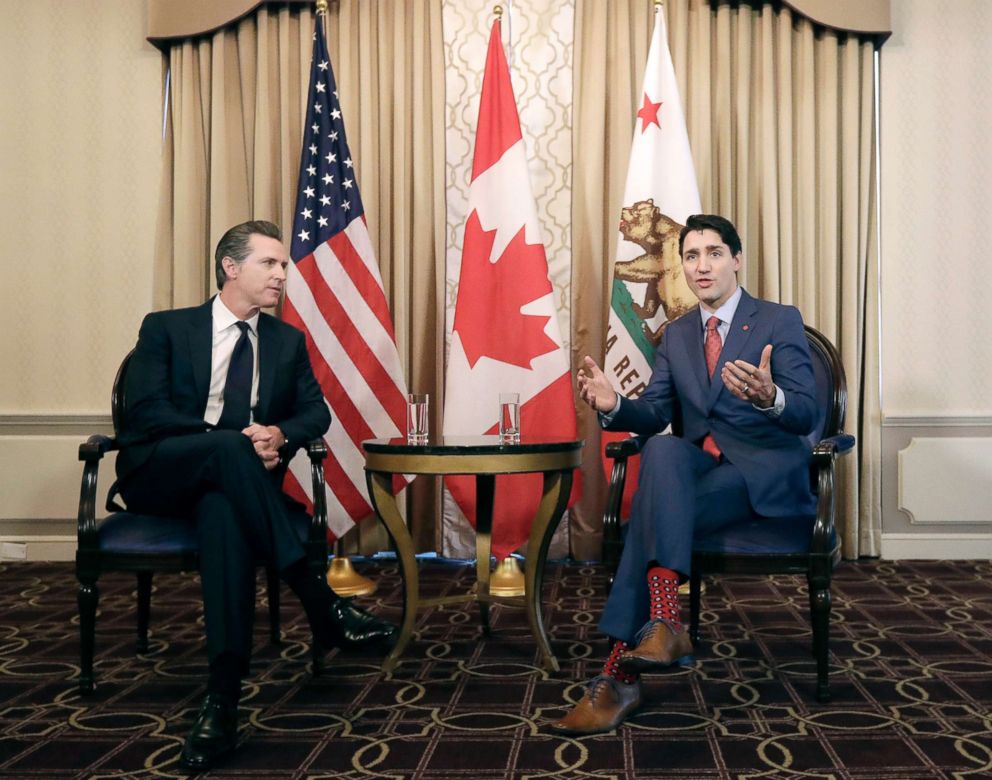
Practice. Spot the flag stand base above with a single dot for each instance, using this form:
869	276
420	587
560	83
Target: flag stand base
345	581
508	579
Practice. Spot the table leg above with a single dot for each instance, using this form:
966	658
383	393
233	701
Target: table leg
485	490
380	486
557	488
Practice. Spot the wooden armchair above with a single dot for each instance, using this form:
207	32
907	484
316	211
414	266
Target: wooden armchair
786	545
146	544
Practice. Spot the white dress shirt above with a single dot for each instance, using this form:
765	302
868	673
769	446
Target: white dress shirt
225	336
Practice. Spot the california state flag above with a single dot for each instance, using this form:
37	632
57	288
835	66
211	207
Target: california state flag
661	192
505	335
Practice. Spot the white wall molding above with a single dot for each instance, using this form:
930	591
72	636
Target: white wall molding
946	480
55	424
942	421
936	480
60	547
931	547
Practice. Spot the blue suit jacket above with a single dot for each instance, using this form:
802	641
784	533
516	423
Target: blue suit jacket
772	454
168	380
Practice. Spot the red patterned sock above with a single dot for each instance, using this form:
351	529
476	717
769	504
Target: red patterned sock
663	589
612	666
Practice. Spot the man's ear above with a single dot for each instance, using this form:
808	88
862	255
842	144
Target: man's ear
230	267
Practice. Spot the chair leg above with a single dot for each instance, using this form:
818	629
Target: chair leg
144	609
695	586
819	609
272	577
87	598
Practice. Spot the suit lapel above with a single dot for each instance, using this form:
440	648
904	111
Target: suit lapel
266	365
692	340
201	349
737	336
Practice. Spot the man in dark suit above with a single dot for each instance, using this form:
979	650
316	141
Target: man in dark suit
742	452
219	397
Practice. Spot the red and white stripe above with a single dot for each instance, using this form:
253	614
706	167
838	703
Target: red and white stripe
335	296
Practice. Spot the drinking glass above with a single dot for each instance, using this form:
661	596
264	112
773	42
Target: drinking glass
417	418
509	418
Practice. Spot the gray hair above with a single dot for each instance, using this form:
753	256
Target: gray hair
235	244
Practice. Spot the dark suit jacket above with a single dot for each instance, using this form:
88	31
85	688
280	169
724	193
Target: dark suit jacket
772	454
169	377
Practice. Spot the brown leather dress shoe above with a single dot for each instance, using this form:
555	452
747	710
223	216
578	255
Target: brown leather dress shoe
658	645
603	707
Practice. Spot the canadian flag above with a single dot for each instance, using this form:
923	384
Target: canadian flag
649	288
505	335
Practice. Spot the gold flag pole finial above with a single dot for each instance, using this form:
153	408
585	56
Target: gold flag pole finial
498	11
658	4
321	6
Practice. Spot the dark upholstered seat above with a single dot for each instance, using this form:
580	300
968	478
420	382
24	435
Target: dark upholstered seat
146	544
790	545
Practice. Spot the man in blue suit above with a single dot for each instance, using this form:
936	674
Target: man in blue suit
219	397
738	372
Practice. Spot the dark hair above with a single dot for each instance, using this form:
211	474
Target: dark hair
234	244
721	225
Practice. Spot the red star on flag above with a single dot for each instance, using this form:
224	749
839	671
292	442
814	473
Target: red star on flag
649	113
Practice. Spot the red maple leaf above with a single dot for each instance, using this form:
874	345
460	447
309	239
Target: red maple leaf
490	295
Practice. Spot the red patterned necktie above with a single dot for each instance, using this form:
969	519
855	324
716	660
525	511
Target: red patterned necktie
711	348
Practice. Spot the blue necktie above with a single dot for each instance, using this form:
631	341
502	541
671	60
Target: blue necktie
237	389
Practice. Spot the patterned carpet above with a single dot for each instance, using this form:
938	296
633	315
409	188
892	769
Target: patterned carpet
911	681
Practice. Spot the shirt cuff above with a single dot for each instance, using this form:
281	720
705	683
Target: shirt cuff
605	418
776	409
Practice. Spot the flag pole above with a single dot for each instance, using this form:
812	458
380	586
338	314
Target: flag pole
341	575
508	578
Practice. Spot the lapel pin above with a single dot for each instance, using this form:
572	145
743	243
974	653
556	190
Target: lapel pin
745	327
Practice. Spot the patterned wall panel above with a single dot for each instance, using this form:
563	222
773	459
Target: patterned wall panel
80	139
936	221
537	38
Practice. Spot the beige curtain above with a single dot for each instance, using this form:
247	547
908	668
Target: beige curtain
232	152
779	113
780	120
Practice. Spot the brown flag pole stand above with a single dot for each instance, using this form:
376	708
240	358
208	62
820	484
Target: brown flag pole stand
342	577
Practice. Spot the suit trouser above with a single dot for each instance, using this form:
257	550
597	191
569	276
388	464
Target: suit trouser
681	492
242	519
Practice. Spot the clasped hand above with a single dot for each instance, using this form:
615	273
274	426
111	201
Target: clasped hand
268	439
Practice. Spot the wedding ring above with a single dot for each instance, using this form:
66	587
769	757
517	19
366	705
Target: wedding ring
744	389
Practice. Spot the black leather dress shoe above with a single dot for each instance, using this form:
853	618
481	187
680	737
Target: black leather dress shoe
350	627
214	733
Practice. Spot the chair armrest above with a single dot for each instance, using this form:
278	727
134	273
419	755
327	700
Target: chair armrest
91	452
624	449
96	446
831	446
824	454
317	453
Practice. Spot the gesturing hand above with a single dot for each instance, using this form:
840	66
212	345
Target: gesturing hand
594	388
749	382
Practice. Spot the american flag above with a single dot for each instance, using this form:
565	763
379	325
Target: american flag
334	295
